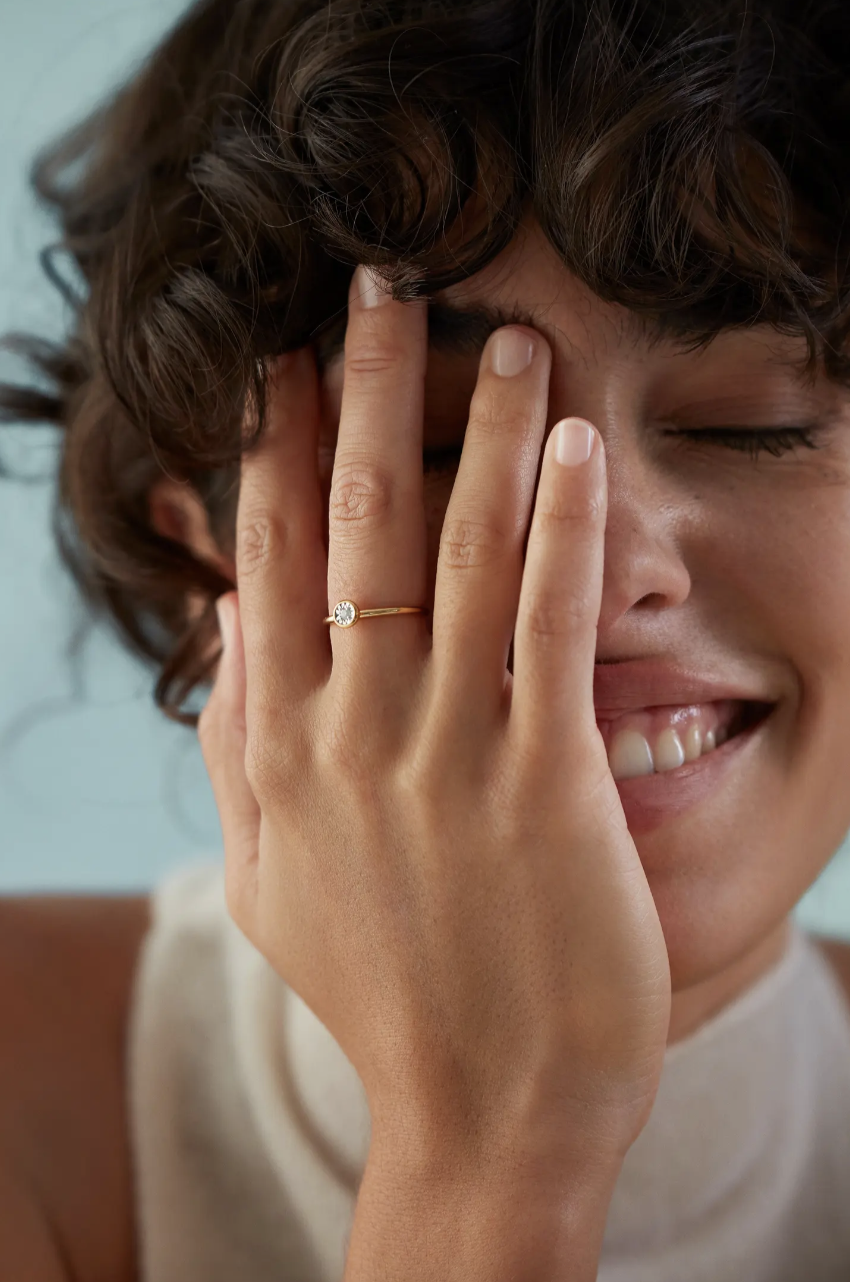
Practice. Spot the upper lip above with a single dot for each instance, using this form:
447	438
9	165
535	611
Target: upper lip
647	683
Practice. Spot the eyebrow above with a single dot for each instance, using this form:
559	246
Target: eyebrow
462	331
453	329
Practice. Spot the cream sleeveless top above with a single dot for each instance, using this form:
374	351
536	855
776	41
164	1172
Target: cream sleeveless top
250	1127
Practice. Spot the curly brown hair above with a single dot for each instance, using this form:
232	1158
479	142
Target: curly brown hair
687	159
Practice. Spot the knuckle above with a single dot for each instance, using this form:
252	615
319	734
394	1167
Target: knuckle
420	770
471	545
492	417
564	511
422	785
277	762
346	752
554	615
360	493
260	541
375	361
374	353
265	765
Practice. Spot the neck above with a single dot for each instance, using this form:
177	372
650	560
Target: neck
692	1007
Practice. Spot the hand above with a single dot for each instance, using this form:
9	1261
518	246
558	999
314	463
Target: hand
430	852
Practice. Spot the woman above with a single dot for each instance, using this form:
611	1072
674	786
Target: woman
499	978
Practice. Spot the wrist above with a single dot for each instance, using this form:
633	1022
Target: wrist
460	1213
552	1145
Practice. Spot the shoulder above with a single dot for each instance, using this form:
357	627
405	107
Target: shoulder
67	965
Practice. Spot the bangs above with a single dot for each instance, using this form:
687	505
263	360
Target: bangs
684	162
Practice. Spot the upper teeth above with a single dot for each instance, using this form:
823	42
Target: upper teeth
630	754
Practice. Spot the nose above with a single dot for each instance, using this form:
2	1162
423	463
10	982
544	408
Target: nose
645	573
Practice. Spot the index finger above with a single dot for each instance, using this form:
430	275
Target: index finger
281	565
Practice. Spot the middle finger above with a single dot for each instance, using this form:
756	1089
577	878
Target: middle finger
479	571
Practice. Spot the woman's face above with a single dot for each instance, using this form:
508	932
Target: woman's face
734	568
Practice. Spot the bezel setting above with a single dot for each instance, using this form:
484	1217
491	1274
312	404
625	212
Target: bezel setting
345	614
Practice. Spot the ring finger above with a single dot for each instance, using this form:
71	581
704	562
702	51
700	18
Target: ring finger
376	531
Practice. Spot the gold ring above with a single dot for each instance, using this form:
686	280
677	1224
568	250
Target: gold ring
346	613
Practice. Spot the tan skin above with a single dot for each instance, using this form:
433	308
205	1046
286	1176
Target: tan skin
707	554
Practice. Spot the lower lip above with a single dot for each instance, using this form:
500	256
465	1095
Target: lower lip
650	800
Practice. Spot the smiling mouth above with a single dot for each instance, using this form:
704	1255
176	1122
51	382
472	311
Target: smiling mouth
660	740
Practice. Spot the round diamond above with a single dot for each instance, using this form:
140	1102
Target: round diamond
345	614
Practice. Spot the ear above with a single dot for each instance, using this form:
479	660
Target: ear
177	513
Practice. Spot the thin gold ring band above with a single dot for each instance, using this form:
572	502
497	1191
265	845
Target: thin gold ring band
346	613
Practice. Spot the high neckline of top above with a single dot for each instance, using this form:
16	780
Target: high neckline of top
764	990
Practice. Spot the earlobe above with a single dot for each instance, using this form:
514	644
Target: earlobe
176	512
165	509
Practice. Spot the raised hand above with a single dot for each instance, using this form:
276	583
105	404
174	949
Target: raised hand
432	852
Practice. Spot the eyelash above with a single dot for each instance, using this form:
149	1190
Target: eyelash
776	443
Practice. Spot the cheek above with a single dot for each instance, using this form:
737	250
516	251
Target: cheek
780	565
770	585
779	569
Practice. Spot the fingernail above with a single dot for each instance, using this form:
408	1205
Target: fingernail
224	610
511	351
369	290
574	441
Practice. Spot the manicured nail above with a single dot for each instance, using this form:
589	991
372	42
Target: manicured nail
224	610
369	290
511	351
573	441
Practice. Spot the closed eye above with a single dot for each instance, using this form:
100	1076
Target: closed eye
750	441
773	441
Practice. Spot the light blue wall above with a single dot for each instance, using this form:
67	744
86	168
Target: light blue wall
97	790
